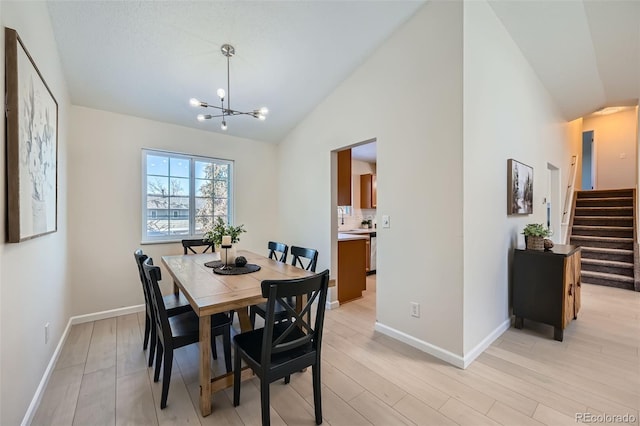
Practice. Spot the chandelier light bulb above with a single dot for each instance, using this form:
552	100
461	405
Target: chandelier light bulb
264	111
223	126
202	117
194	102
261	117
221	93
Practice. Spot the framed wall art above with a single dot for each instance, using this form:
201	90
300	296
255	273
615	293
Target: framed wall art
519	188
32	146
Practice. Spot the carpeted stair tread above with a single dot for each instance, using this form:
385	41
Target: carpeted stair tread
602	275
596	238
604	211
603	231
605	202
607	250
608	263
626	192
625	218
610	228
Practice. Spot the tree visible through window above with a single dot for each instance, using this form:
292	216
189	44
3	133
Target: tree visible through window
183	194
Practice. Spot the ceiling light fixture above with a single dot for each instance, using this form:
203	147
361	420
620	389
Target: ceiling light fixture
609	110
261	114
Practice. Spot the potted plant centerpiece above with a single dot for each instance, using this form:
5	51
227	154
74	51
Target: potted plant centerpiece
219	230
534	235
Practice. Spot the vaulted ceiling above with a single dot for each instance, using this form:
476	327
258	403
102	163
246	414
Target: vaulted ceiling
587	53
147	58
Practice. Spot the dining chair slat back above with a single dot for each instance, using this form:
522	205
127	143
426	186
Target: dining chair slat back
285	347
204	246
304	258
278	251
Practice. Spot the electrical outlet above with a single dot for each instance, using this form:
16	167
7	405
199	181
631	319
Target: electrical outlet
46	333
415	309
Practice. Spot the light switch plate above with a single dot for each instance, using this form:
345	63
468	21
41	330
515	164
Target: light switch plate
386	223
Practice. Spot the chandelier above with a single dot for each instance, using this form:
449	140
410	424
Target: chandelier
226	111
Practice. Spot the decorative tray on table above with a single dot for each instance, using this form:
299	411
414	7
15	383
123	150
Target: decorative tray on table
217	266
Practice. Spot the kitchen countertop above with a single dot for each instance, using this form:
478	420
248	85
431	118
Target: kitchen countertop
358	231
351	236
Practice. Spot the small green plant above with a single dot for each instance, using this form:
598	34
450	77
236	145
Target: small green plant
220	229
536	230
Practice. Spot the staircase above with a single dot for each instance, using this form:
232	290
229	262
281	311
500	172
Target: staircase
603	225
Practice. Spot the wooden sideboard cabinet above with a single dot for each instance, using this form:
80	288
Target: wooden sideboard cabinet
546	286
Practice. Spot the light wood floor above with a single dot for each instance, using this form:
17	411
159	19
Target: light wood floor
524	378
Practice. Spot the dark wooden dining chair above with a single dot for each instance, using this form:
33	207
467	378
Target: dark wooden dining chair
278	251
282	348
202	245
179	330
304	258
175	304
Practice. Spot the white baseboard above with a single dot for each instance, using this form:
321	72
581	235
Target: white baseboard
440	353
486	342
79	319
427	347
96	316
37	397
332	305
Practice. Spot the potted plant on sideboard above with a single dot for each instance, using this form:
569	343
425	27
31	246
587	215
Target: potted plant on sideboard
534	235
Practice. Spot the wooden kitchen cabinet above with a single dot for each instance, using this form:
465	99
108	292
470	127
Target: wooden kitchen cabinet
352	278
368	191
546	286
344	177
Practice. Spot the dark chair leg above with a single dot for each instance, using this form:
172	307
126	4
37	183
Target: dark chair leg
317	399
147	330
237	365
152	348
166	377
287	379
159	350
264	402
214	349
252	316
226	343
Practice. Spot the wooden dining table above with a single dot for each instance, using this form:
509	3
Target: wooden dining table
210	293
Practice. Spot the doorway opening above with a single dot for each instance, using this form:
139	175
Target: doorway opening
354	203
588	161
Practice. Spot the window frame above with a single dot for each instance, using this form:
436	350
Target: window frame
146	152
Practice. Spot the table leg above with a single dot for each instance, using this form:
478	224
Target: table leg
243	317
176	289
205	365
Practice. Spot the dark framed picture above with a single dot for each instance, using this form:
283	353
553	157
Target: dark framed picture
519	188
32	146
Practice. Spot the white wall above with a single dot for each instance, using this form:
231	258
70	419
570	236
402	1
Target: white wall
615	135
407	95
507	114
105	199
34	288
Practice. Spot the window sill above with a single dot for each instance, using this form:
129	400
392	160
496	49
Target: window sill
148	243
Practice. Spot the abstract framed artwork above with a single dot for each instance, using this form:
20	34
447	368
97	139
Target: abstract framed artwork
519	188
32	146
